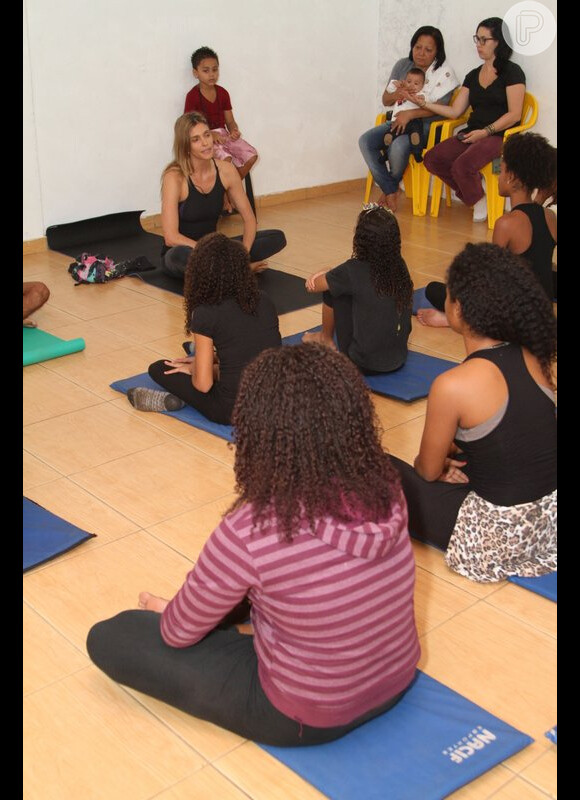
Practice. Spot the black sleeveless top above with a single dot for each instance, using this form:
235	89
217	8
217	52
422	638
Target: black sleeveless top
539	254
516	462
199	212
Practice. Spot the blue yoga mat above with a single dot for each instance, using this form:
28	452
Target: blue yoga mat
412	381
420	301
45	536
431	743
552	734
187	414
546	585
39	346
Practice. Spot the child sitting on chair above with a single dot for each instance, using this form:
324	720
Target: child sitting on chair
214	103
413	83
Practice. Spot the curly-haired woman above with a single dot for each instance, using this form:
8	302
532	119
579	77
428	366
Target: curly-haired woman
231	321
317	540
368	298
192	198
529	162
484	482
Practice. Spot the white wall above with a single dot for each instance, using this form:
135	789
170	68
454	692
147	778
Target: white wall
457	20
104	81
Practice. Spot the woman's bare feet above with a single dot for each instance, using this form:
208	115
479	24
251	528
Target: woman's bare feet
258	266
389	200
150	602
432	317
29	323
319	338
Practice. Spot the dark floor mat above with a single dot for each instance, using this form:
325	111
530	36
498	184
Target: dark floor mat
121	237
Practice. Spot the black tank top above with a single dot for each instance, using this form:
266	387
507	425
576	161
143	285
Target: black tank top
199	212
516	462
539	253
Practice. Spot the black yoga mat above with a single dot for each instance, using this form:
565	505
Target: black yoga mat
121	237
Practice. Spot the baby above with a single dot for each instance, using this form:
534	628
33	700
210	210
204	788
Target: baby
413	83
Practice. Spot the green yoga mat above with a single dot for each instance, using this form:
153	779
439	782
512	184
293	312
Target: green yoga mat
38	346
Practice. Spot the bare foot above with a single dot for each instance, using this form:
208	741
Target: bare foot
432	317
389	200
319	338
258	266
151	602
29	323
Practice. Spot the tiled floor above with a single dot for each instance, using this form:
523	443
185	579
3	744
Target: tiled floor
153	488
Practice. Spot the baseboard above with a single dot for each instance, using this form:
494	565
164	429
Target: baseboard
153	223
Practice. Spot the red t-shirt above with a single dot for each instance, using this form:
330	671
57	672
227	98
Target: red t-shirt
214	112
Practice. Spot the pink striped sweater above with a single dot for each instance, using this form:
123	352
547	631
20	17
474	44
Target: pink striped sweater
334	625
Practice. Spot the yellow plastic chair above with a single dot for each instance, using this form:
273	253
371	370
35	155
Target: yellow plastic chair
495	203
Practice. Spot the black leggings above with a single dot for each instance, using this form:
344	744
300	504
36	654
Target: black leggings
266	244
212	404
435	292
215	679
433	505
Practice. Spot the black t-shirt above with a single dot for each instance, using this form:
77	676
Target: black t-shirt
238	337
380	332
490	103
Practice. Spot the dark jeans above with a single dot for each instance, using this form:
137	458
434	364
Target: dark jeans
433	505
266	244
215	679
212	404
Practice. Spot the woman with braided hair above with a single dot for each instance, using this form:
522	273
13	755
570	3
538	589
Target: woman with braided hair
368	298
231	321
483	486
317	541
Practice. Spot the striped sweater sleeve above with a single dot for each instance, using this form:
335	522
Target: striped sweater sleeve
220	579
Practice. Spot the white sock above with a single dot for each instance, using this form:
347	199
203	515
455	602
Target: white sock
480	210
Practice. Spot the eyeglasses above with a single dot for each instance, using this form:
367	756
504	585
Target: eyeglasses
483	39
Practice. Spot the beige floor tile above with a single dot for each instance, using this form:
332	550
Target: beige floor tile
262	777
81	508
441	341
498	662
153	292
437	601
531	608
393	412
300	320
46	394
404	440
188	532
519	789
36	472
206	784
89	437
143	324
209	740
542	773
93	301
47	656
483	787
432	560
97	340
51	319
158	483
208	443
96	373
72	595
87	737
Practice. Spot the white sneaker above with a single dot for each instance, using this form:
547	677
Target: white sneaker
480	210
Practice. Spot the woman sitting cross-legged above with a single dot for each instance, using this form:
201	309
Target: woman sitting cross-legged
317	542
484	483
232	321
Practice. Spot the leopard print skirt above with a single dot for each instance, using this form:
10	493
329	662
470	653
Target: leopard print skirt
490	543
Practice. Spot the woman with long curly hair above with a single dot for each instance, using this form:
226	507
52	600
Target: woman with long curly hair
484	483
529	163
368	298
316	543
231	321
193	187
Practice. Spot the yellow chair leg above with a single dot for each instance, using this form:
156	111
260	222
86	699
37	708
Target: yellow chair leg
368	187
436	189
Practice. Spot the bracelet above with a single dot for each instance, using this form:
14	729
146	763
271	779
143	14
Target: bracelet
490	130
